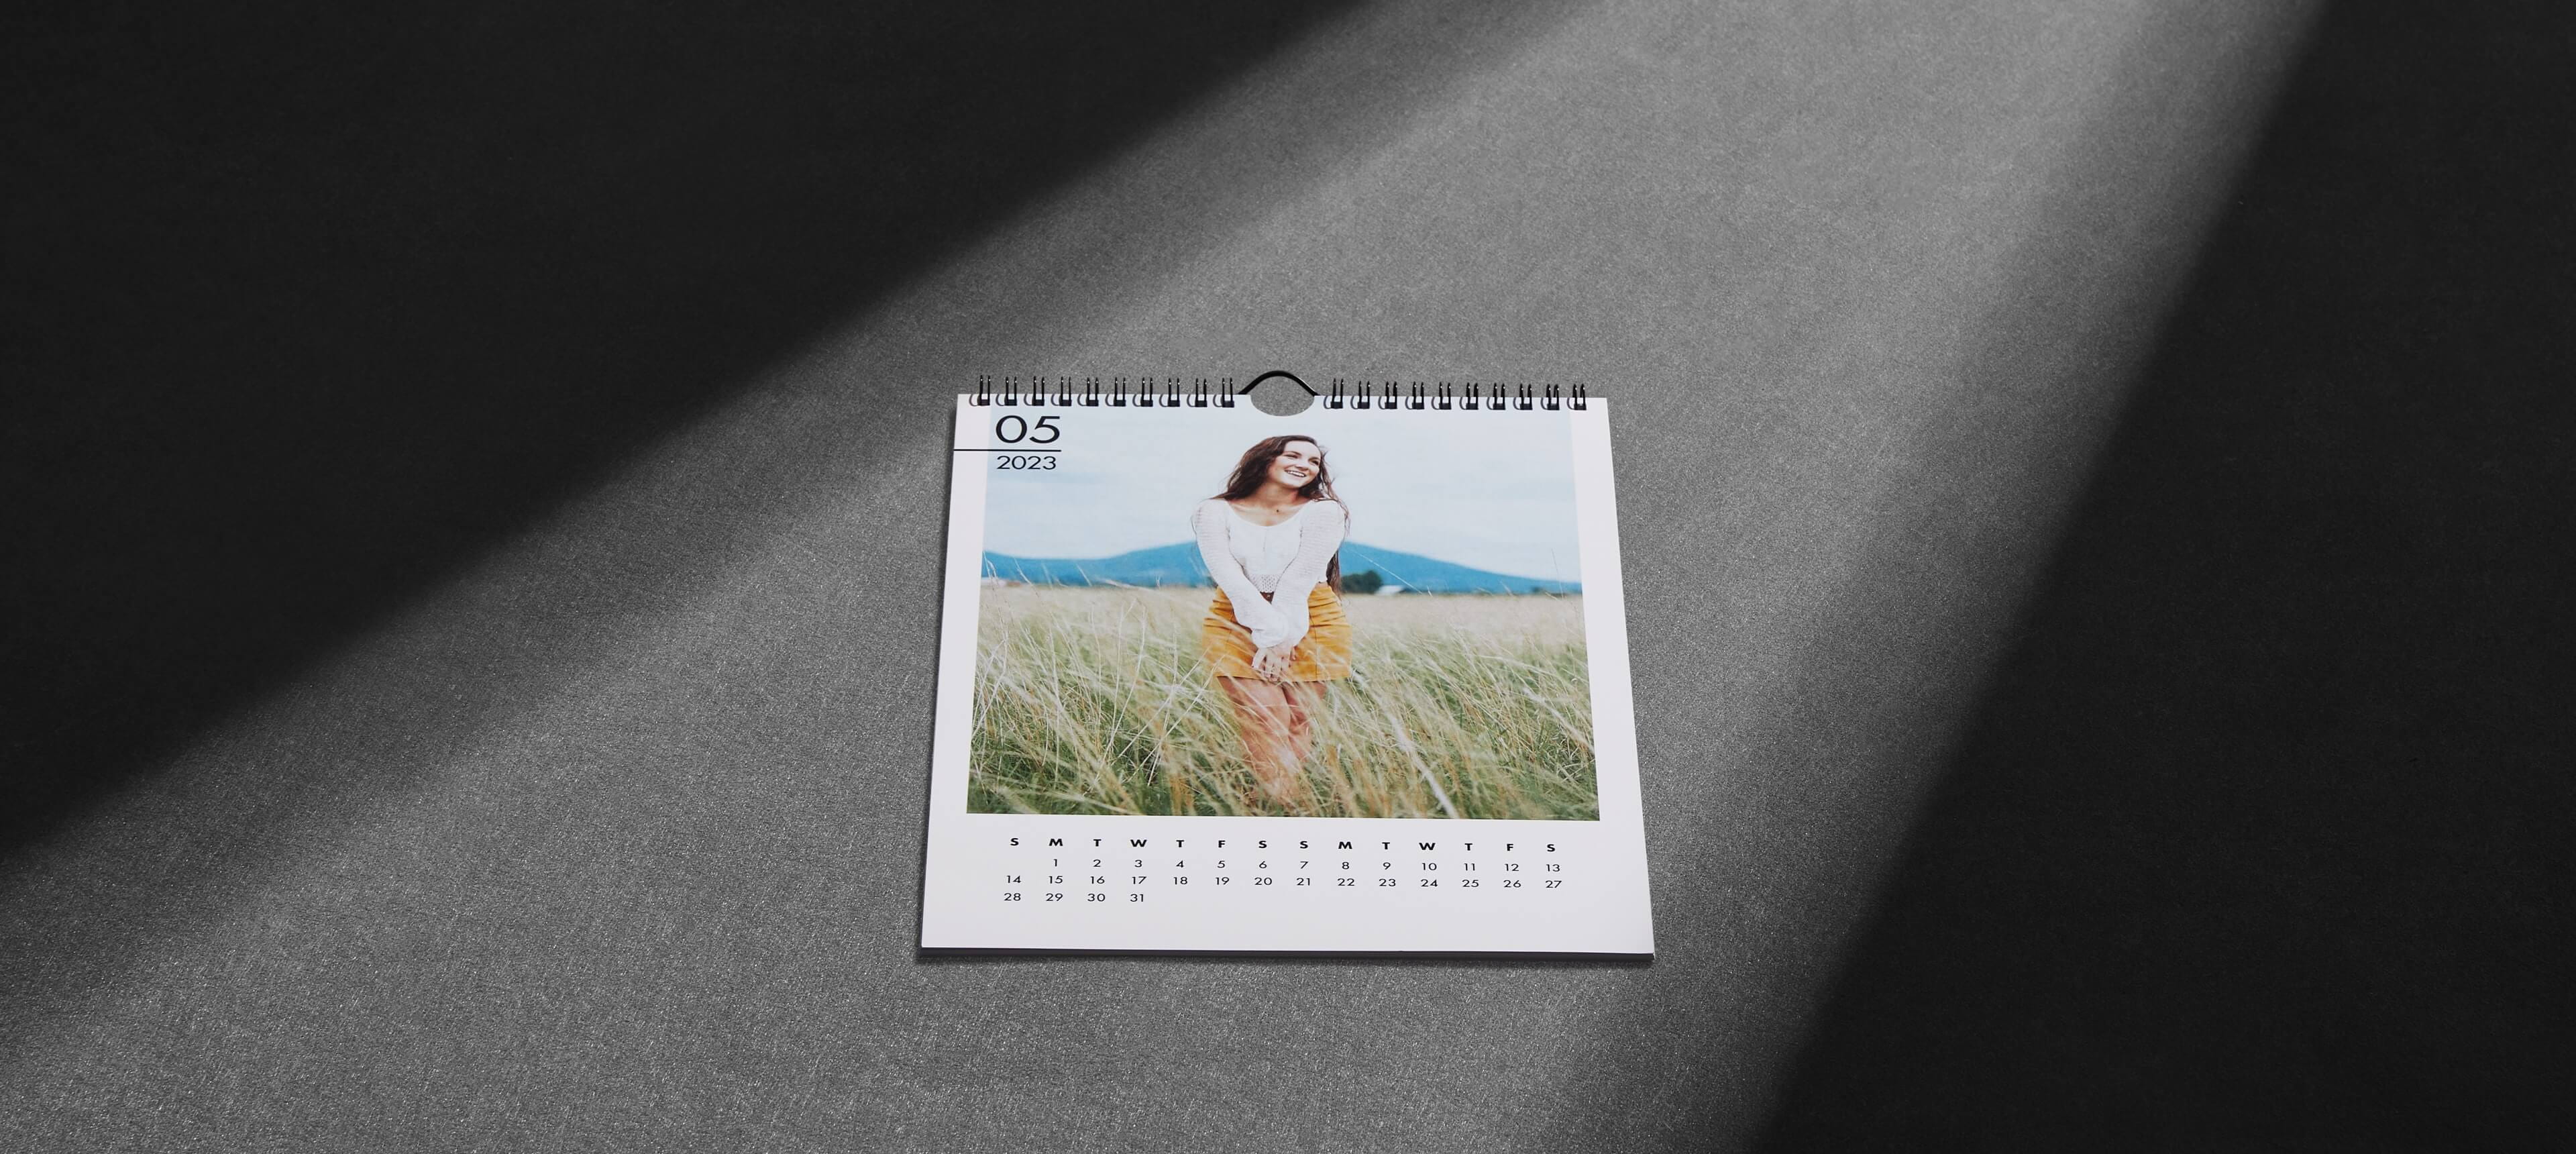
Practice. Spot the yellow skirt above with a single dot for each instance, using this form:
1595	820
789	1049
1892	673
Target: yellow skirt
1324	654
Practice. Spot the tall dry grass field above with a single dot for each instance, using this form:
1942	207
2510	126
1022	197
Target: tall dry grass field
1095	701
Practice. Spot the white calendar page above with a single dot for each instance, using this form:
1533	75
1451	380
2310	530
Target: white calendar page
1445	764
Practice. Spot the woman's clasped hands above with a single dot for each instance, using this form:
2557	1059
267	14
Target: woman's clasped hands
1271	662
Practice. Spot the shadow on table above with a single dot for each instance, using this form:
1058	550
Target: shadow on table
2253	839
311	307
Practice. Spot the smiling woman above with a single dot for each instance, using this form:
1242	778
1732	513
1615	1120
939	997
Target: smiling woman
1275	634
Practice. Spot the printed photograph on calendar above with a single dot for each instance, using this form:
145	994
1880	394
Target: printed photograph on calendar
1216	612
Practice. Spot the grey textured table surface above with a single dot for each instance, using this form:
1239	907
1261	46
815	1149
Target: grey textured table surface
599	826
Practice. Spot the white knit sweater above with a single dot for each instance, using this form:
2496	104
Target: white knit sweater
1287	560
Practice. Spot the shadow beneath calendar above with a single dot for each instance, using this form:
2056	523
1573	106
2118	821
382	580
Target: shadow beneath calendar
1102	685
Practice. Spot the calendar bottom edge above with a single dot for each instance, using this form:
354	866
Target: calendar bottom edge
1425	955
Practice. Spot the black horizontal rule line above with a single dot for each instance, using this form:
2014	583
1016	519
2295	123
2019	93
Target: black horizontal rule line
1006	450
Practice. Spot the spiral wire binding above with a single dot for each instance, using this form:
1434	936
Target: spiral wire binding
1147	392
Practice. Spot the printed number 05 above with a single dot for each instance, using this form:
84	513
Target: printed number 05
1014	428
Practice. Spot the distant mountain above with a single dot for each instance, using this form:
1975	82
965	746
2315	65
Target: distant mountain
1179	565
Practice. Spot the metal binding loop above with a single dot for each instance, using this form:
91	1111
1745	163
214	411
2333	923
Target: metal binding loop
1220	393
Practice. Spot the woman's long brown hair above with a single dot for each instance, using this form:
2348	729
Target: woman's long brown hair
1255	468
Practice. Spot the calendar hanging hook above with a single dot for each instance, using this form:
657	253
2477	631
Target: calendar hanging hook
1292	377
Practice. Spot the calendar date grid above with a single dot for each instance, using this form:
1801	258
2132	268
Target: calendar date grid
1137	871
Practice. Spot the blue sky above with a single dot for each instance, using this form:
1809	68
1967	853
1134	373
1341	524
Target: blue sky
1491	490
